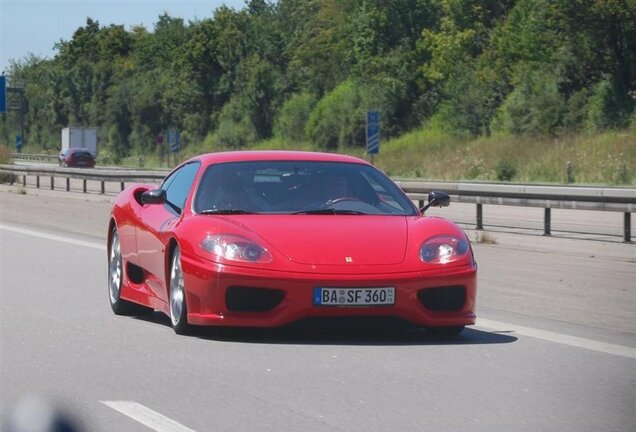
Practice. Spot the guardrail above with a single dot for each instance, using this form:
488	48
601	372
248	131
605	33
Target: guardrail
102	176
34	157
547	197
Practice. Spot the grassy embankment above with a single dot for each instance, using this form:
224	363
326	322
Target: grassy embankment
607	158
5	158
602	158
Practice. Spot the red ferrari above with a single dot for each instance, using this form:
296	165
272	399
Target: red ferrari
269	238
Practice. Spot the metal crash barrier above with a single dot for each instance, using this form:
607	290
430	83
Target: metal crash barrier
546	197
102	176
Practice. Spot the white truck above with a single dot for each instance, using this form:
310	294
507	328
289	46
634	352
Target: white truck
80	137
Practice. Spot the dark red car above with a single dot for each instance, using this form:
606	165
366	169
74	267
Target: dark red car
76	157
268	238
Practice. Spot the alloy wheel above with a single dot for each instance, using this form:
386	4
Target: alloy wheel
177	292
114	269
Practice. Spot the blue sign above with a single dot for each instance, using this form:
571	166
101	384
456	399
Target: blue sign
19	142
373	132
373	117
3	94
373	129
173	140
317	296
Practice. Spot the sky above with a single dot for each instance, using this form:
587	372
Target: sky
34	26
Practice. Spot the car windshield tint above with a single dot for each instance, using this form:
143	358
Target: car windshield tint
82	154
299	187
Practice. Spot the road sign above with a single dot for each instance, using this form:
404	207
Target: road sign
373	132
3	94
373	117
173	140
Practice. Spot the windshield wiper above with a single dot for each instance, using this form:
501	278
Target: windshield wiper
329	211
226	212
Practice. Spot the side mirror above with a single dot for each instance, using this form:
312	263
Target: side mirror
438	199
154	196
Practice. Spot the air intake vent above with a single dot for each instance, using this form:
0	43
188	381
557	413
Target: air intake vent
443	299
249	299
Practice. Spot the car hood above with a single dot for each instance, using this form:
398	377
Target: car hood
333	240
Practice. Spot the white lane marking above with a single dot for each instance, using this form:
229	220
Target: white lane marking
575	341
40	234
619	350
146	416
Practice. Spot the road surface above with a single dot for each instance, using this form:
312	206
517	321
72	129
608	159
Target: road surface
554	348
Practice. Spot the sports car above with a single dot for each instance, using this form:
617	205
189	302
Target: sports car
266	238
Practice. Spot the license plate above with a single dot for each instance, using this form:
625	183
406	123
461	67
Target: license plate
354	296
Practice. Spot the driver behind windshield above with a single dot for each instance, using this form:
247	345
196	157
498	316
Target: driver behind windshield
336	186
324	188
285	187
229	192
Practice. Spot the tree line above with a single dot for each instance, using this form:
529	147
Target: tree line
307	71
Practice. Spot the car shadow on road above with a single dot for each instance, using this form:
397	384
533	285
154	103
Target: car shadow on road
340	331
392	336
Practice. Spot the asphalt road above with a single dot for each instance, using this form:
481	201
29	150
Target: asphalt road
554	348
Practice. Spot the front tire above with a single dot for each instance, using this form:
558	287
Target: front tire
178	306
115	281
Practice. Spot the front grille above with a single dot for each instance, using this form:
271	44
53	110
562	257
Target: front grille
443	299
250	299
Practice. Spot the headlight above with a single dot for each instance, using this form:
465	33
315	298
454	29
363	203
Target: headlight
235	248
444	249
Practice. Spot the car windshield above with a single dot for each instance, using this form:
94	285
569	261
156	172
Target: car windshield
299	187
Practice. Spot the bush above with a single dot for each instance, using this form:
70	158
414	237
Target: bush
293	117
576	113
535	106
337	119
607	109
195	126
142	140
505	170
5	158
234	135
108	157
235	130
5	155
117	145
469	105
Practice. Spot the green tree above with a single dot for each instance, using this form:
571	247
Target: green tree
293	117
535	106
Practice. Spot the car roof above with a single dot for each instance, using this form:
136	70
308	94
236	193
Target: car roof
78	149
274	155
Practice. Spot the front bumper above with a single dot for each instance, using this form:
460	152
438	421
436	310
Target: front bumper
207	284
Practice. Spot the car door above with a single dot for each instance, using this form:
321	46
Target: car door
158	222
